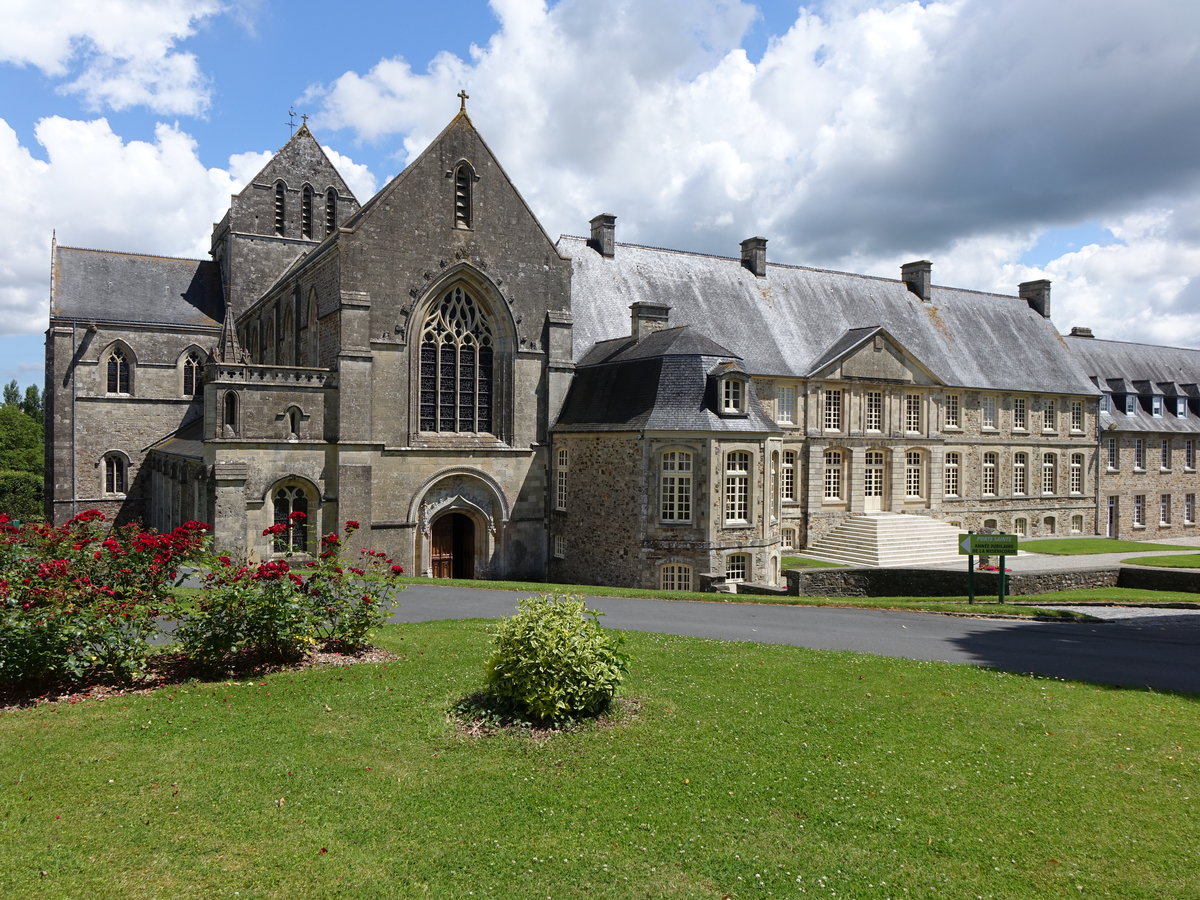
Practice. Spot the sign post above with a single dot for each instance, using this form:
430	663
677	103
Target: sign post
1000	545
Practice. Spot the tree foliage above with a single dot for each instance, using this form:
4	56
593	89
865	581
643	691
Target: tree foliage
20	442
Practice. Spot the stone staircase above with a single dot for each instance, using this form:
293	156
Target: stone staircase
889	540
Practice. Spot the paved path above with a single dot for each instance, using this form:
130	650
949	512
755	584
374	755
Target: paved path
1140	651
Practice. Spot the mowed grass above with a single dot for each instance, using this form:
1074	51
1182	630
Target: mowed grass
741	771
1181	561
1085	546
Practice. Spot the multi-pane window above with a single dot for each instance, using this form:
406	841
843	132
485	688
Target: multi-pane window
1105	402
118	372
1020	414
456	367
785	404
560	478
873	474
291	511
990	461
953	461
1139	510
1076	473
1156	407
1164	509
193	384
736	566
1164	454
833	410
114	474
912	413
731	395
1189	454
987	412
560	547
1077	524
1139	453
913	470
1020	463
874	411
787	485
676	486
1181	407
737	486
1189	509
1049	416
676	577
953	418
787	539
1110	449
1077	415
1130	404
1021	526
1049	473
833	475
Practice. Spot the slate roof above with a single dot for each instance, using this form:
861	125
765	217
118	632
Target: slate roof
186	442
658	383
783	323
1146	370
104	286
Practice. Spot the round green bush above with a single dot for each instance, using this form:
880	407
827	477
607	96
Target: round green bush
553	662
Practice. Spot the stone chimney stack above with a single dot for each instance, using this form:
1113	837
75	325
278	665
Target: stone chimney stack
918	276
648	318
1037	295
754	255
1081	332
604	229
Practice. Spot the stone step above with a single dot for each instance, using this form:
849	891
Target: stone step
889	540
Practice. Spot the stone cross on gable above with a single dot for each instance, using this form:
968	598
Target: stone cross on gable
463	96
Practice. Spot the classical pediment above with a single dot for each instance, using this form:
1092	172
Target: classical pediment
871	354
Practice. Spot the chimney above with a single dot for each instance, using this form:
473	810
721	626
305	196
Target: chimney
1037	295
647	318
1080	331
604	227
917	275
754	255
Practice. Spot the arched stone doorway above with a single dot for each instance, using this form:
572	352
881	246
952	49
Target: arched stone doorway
452	546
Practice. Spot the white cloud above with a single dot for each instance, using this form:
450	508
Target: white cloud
120	52
866	135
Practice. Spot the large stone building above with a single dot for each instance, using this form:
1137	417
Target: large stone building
488	402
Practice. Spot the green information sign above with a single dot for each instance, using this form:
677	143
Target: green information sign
987	545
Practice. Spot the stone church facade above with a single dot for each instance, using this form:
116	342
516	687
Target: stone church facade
490	403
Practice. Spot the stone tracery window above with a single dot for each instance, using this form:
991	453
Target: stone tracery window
456	367
288	500
193	383
118	372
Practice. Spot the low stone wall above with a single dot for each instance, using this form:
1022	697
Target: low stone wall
1159	579
855	582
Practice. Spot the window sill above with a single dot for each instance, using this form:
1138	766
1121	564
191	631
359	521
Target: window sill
1139	527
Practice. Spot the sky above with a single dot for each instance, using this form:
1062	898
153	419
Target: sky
1005	140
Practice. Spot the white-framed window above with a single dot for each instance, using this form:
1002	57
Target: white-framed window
1164	509
1106	403
737	565
675	577
1139	453
116	475
1077	416
1021	526
560	547
1189	509
833	410
561	473
785	404
912	413
1130	404
733	395
1139	510
1181	407
874	415
1020	414
1049	416
787	485
1020	464
833	475
787	537
953	462
1189	454
676	486
953	415
1156	407
737	487
1110	451
1077	524
914	481
990	462
1049	473
873	473
1076	473
987	412
1164	454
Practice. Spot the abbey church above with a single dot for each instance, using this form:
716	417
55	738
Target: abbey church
490	402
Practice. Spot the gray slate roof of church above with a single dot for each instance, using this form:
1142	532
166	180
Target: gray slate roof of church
105	286
782	323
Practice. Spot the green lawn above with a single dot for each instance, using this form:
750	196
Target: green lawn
742	771
1082	546
1182	561
803	562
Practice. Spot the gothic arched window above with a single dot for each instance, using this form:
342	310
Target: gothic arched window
456	367
118	372
193	384
288	501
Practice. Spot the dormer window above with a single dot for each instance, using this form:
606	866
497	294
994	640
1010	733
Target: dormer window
464	180
733	396
279	207
1181	407
306	212
330	211
1130	404
1156	407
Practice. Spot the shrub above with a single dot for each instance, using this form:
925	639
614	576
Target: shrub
281	609
81	600
21	495
553	662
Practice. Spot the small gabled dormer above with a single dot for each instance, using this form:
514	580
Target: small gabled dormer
732	393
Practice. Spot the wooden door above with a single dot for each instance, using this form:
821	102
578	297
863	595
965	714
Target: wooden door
442	549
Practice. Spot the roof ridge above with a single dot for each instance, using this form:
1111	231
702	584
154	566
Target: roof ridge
1096	340
133	253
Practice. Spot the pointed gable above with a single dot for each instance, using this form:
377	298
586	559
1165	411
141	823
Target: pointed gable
871	354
